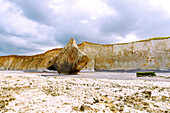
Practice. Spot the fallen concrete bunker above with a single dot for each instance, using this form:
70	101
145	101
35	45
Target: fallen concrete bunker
70	60
150	54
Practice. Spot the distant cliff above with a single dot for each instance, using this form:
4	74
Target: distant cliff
144	55
35	62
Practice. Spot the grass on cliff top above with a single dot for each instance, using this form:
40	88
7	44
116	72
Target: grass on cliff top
157	38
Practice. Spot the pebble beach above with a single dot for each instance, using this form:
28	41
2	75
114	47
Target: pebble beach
26	92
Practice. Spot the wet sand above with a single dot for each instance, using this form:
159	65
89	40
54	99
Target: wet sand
28	92
161	76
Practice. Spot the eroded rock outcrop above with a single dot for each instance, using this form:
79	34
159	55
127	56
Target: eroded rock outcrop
70	60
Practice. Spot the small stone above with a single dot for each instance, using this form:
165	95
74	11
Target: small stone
121	109
11	99
2	104
97	88
6	100
145	108
101	99
113	109
44	100
81	107
105	101
145	103
148	94
54	94
165	111
155	105
67	88
105	95
96	100
164	98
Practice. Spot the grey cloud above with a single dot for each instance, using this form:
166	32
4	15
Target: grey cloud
7	47
36	10
136	17
47	28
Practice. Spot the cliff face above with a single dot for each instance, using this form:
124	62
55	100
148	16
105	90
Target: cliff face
35	62
146	54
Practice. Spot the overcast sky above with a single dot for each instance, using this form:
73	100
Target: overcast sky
34	26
